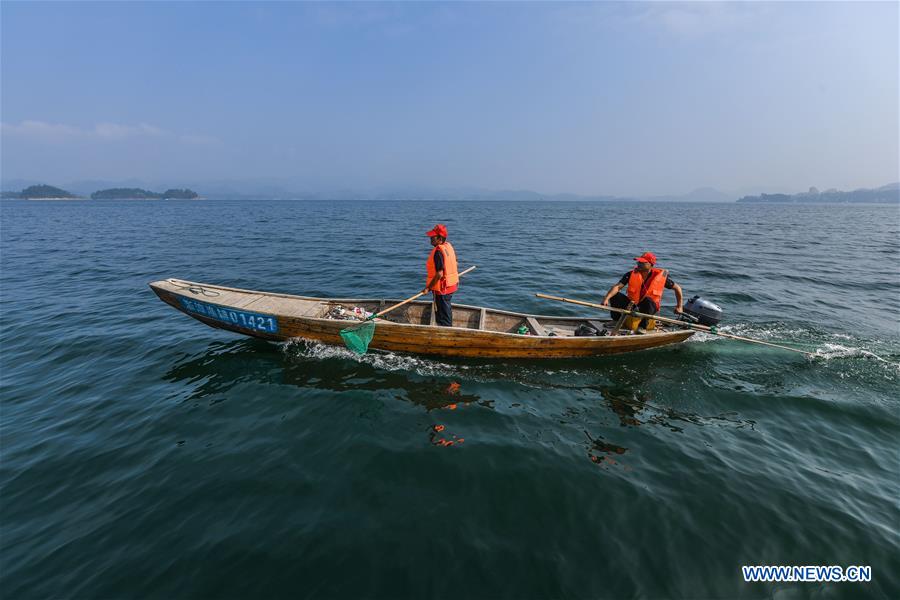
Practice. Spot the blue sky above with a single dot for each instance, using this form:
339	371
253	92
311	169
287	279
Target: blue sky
607	98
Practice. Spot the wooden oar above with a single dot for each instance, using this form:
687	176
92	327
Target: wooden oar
702	328
357	337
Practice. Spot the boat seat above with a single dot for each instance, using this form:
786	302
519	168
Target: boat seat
482	318
536	328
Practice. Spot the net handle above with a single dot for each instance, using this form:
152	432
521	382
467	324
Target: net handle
408	300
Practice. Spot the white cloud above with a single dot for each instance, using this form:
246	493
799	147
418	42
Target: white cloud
699	18
198	140
39	129
104	132
114	131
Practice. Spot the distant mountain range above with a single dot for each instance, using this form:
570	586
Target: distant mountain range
886	194
142	194
256	189
287	189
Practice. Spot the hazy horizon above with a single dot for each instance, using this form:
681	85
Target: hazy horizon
652	99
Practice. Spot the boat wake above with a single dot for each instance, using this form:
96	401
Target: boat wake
830	351
300	348
824	346
834	348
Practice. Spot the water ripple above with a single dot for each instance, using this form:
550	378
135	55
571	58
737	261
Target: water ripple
145	455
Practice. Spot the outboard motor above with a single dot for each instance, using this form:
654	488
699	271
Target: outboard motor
703	312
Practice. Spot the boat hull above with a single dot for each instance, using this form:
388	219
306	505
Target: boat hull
244	316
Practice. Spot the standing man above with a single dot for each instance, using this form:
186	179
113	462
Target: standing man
443	278
645	286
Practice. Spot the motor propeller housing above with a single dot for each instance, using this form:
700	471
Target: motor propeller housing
703	311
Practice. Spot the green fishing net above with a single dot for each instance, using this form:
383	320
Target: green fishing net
357	337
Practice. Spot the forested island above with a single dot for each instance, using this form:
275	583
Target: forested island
888	194
138	194
41	192
49	192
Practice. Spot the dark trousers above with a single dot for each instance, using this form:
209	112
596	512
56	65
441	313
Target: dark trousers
443	309
620	300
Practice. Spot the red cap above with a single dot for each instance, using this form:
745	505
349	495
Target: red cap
438	230
647	257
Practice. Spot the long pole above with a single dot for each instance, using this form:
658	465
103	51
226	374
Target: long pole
410	299
703	328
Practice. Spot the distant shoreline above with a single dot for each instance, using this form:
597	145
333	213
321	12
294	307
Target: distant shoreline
884	195
887	194
649	203
101	199
50	198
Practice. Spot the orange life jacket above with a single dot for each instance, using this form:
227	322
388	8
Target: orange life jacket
449	282
652	288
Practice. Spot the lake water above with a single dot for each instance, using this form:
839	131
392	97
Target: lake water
147	455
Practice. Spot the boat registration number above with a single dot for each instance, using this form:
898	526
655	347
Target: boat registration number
231	316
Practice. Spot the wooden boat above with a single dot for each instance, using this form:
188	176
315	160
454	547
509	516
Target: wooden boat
476	331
